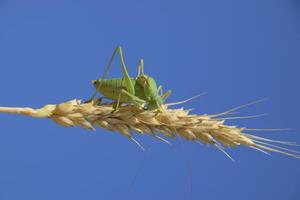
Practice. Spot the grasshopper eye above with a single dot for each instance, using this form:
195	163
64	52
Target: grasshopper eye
94	82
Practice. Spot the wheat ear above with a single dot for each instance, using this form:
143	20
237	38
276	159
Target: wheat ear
209	129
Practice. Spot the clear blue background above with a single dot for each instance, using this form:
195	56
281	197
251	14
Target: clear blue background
237	51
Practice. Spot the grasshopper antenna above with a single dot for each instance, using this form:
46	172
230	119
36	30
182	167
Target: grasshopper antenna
186	100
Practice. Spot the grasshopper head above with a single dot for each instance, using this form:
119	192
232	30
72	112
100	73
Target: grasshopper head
149	86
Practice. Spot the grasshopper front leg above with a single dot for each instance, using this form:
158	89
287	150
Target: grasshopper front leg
165	95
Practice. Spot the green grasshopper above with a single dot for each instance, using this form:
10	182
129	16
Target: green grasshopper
141	90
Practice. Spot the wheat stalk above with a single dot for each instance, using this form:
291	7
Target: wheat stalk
209	129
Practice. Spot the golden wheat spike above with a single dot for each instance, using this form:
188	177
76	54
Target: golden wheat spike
171	123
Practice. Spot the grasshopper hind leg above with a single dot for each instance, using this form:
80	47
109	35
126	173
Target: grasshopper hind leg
130	99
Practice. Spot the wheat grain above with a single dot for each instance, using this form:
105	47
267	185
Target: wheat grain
209	129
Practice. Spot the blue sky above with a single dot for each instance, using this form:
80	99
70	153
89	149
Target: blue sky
237	51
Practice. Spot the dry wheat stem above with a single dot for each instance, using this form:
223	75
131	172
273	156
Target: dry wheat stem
209	129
